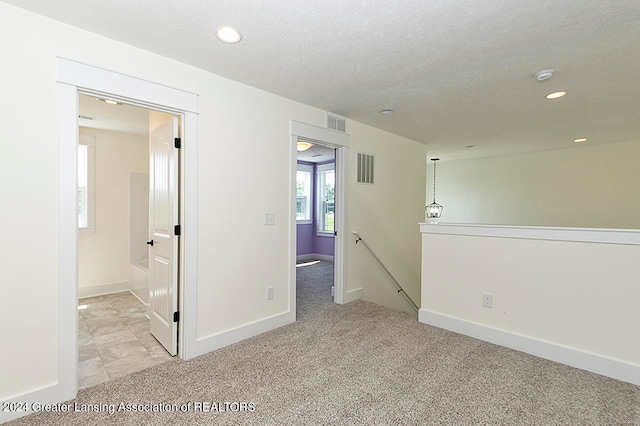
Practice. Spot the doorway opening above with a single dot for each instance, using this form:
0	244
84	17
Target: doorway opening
115	211
315	225
334	211
76	78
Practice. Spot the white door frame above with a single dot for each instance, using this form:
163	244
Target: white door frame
74	78
340	141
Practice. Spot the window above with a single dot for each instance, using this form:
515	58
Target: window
303	193
326	198
86	188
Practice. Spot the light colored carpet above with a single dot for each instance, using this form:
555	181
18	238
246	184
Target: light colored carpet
362	364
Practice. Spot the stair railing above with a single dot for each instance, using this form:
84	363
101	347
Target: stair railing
399	287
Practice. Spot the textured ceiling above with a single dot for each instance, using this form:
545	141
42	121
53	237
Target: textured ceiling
457	73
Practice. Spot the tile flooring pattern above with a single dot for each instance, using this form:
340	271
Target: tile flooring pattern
114	339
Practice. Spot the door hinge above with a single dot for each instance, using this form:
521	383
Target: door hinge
176	230
176	316
177	143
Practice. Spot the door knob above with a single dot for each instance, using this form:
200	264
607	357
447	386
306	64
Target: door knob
150	242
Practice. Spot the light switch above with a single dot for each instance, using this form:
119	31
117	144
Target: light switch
269	219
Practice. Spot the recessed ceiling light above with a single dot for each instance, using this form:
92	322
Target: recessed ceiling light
580	140
556	95
228	35
470	146
385	111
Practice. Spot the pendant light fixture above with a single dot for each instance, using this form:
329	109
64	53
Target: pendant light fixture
433	210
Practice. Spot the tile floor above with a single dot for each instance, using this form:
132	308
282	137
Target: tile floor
114	339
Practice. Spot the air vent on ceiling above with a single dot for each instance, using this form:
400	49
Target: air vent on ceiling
365	168
336	123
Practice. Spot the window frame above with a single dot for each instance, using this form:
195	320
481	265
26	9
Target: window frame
306	168
320	219
90	142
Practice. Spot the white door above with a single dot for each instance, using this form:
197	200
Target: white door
163	243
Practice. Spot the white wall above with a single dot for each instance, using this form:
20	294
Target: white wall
574	302
138	216
386	215
585	186
103	257
158	118
238	257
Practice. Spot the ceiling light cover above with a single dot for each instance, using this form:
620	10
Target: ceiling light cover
303	146
386	111
108	101
228	35
580	140
556	95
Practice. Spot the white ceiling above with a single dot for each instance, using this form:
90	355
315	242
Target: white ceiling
457	73
96	114
317	154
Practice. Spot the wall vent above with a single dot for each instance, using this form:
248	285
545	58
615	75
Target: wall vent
365	168
336	123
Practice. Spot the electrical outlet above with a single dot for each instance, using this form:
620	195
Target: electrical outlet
269	293
269	219
487	300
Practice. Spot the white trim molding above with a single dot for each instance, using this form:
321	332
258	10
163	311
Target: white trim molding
188	299
594	363
100	80
353	295
67	244
321	135
74	78
314	256
234	335
103	289
582	235
45	395
340	141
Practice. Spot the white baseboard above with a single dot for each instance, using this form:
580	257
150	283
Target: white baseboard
353	295
226	338
573	357
46	395
100	290
314	256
